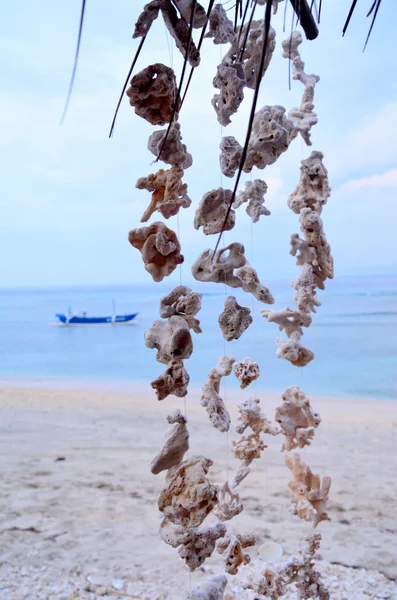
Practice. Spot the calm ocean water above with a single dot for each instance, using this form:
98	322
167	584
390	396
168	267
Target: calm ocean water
353	335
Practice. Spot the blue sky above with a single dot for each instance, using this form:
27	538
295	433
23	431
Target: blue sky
68	193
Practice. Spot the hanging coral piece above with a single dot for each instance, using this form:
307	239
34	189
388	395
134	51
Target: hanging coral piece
313	188
159	247
288	319
210	398
183	302
252	285
220	266
272	582
145	20
310	494
296	418
254	194
250	415
232	549
229	503
305	296
174	380
221	28
176	445
169	147
293	351
153	93
171	338
188	496
234	320
246	371
169	194
185	8
212	210
230	80
179	30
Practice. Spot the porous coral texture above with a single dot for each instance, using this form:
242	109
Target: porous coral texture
312	228
232	549
212	210
305	296
252	285
310	493
313	188
213	589
195	545
230	80
247	49
221	266
176	445
293	351
296	418
234	320
179	30
171	338
288	319
250	415
169	193
171	151
148	15
246	371
188	496
183	302
230	156
185	8
303	118
159	247
248	448
307	254
229	503
174	380
221	28
254	194
272	582
152	93
210	398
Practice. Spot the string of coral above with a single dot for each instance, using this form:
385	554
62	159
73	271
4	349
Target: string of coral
190	494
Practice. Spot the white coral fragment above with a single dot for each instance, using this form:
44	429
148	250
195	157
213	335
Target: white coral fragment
247	49
185	9
310	493
234	320
272	581
220	266
212	210
221	28
288	319
169	193
304	117
312	228
171	338
183	302
213	589
230	156
252	285
296	418
250	415
188	496
210	398
153	93
173	151
174	380
246	371
313	188
159	247
305	296
307	254
293	351
230	80
254	194
232	549
229	503
176	445
248	448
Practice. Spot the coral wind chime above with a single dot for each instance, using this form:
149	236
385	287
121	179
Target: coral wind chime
188	496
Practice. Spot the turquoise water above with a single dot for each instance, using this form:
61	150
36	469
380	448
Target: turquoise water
353	335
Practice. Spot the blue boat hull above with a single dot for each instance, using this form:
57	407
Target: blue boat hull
118	319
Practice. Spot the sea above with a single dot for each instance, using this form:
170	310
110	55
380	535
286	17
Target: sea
353	336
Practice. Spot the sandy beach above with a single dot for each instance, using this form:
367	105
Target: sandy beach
79	520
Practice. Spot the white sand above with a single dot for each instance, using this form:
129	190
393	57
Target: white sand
87	527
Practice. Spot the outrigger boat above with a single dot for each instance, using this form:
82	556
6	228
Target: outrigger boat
83	319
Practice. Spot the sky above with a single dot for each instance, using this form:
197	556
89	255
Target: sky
68	196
